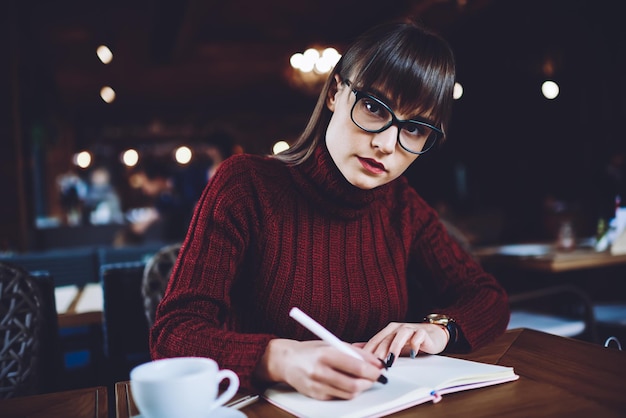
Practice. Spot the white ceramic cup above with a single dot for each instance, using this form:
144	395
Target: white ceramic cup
180	387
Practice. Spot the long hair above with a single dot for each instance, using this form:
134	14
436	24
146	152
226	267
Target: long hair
413	66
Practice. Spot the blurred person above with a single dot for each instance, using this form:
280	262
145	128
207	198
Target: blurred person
168	216
332	226
72	192
102	203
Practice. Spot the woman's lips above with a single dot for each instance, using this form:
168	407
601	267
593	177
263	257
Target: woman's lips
372	165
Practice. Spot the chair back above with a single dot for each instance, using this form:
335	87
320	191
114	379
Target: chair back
563	310
125	329
77	266
29	355
155	278
128	253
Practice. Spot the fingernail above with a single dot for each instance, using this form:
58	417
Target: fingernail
383	363
382	379
413	353
390	359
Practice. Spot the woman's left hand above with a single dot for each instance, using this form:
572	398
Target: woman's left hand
402	338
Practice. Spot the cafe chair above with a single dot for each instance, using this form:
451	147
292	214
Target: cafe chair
68	266
30	359
155	277
127	253
563	310
611	322
124	326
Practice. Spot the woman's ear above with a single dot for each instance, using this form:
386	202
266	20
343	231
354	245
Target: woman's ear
332	93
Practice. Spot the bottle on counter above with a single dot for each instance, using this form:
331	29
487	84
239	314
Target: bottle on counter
566	239
602	236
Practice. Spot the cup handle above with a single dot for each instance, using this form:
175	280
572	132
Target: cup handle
232	389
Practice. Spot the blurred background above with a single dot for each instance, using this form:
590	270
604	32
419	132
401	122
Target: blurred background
115	114
98	98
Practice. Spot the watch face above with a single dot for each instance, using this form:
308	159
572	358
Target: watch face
438	319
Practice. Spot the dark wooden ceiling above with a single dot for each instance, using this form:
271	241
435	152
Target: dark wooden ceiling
181	52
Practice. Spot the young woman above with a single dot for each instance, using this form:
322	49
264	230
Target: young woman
331	226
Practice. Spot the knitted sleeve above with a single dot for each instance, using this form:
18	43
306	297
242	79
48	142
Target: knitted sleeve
195	316
460	287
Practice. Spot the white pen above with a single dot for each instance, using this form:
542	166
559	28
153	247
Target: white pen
327	336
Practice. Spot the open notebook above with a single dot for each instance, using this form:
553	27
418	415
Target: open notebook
411	382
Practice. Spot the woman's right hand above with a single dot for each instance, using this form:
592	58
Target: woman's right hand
317	369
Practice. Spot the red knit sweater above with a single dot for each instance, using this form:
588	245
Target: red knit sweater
266	237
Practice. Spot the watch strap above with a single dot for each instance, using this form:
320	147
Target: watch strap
448	323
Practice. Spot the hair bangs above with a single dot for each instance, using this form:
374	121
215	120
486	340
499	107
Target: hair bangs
410	67
416	71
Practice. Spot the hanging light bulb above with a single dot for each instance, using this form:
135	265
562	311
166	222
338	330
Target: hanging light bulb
105	54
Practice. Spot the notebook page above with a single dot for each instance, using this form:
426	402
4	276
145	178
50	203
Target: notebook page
438	372
411	382
377	401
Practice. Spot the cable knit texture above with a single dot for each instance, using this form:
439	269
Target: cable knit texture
266	237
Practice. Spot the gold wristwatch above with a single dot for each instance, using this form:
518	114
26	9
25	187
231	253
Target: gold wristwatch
446	322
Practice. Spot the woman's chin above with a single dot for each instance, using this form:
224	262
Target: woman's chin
366	184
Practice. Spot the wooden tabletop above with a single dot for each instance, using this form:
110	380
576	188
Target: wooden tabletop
558	377
72	319
80	403
554	260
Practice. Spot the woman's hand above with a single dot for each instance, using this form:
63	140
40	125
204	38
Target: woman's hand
317	369
407	339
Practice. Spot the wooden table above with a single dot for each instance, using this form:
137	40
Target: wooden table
80	403
558	377
553	261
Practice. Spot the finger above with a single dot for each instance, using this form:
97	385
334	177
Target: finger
346	377
368	368
324	386
417	340
344	386
382	351
401	340
369	357
377	339
436	340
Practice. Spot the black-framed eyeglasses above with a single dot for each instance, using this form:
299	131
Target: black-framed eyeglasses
373	115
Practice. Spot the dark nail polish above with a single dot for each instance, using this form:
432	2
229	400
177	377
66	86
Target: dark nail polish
382	379
391	359
413	353
383	363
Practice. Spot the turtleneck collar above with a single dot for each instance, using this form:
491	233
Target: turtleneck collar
323	184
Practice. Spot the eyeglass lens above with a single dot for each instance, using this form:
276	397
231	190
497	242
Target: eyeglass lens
371	115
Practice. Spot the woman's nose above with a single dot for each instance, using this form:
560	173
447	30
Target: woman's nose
386	140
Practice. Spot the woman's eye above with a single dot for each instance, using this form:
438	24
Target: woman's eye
414	129
372	107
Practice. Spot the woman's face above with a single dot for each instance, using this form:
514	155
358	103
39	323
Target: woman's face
367	160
